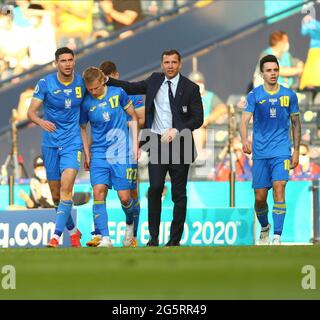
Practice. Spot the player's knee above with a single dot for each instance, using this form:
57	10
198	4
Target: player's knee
279	191
125	199
134	194
99	193
65	192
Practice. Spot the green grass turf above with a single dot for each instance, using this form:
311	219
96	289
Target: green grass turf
161	273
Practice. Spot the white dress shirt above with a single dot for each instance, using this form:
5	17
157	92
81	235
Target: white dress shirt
162	115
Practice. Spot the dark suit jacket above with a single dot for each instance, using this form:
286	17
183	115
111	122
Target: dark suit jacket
188	110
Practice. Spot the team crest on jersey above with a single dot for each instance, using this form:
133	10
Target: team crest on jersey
92	109
102	104
273	100
106	116
262	101
273	112
67	103
56	91
67	91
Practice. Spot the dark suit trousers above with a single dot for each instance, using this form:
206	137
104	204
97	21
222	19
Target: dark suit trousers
179	177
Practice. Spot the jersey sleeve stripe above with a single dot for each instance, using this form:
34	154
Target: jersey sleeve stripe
128	105
36	98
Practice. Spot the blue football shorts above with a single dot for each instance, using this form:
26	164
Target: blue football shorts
265	171
57	159
120	176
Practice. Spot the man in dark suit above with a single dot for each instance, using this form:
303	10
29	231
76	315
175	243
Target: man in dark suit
173	109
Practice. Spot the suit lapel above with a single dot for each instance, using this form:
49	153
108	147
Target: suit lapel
157	86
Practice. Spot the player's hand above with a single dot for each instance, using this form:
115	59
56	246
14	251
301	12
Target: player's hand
47	126
247	147
294	159
169	135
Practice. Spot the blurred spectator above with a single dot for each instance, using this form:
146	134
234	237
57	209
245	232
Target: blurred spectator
121	13
306	170
40	194
20	16
290	68
243	164
311	74
73	21
13	45
5	71
42	44
214	111
23	104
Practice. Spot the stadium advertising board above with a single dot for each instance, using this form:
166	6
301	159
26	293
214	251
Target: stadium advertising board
28	229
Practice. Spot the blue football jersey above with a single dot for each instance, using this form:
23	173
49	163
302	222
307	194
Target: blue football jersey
137	102
271	121
61	105
109	128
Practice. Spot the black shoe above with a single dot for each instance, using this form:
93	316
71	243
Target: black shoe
173	244
153	243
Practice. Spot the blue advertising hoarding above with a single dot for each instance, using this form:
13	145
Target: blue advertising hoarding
209	220
30	228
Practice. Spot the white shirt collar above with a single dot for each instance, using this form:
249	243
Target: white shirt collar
174	80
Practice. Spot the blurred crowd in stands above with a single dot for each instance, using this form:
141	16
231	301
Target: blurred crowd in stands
31	30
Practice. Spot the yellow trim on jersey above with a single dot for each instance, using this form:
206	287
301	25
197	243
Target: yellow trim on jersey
295	114
272	92
37	99
65	83
104	94
128	105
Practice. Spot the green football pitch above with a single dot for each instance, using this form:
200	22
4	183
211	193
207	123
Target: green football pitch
273	272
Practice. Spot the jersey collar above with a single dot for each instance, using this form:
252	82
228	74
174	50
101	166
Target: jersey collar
65	83
272	92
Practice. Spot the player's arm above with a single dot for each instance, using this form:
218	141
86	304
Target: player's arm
133	88
244	124
33	116
134	127
296	134
86	145
141	116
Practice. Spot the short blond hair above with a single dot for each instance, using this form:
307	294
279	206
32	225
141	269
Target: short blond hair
92	73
